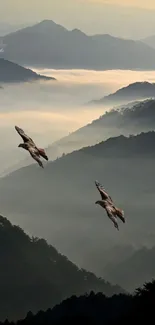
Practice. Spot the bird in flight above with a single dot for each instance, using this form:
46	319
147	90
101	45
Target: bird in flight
30	146
107	203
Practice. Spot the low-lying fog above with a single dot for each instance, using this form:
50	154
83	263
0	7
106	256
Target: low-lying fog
50	110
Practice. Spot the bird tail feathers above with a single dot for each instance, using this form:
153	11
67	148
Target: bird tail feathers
42	153
120	214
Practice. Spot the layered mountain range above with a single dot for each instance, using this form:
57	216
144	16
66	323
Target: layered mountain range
48	44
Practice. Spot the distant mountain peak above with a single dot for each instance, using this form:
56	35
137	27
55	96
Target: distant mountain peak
137	90
78	31
138	84
47	23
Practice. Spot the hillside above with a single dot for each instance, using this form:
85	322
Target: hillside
128	119
58	202
48	44
135	91
38	276
138	268
12	72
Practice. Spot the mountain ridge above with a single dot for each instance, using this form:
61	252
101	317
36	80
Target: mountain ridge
127	119
13	72
136	90
51	45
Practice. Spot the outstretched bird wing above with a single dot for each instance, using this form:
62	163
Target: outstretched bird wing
24	136
104	194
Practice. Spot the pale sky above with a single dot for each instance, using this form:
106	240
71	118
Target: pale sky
125	18
134	3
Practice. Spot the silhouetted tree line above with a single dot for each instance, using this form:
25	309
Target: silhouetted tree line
96	309
34	276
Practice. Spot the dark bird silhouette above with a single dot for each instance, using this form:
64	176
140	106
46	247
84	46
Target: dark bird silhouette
107	203
30	146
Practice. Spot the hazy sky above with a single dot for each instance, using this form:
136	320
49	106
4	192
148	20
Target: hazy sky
126	18
134	3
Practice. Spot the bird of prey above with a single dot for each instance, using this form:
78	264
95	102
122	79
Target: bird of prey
30	146
107	203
